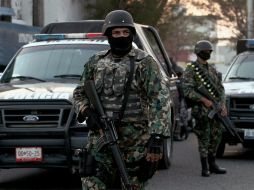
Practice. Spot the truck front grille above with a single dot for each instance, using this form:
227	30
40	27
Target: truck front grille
241	111
35	114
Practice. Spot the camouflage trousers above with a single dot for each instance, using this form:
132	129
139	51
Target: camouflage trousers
94	183
208	132
132	140
107	176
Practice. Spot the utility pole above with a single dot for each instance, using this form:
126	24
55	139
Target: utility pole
38	13
250	18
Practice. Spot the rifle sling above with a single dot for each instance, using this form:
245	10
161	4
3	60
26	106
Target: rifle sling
127	88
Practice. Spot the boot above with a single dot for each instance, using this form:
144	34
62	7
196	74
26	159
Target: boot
213	167
205	172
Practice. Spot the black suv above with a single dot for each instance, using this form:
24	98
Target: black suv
239	88
37	123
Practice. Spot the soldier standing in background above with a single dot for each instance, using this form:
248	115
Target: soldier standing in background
144	123
208	131
183	109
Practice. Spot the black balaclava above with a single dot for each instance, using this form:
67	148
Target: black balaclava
205	55
122	45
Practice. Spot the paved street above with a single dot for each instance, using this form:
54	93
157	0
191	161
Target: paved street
185	171
183	175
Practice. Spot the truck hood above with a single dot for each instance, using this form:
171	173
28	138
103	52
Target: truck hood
39	91
239	88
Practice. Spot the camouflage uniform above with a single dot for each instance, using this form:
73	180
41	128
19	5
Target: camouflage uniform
208	131
181	132
147	110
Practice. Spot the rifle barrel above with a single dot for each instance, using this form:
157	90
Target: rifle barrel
227	123
230	127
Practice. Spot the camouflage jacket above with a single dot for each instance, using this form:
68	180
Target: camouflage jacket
147	84
192	79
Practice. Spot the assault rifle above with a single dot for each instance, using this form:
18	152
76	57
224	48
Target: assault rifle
227	123
109	131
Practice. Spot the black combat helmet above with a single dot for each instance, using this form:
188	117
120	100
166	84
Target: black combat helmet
118	18
203	45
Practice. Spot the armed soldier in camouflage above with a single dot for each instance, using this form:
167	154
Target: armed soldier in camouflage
144	122
200	74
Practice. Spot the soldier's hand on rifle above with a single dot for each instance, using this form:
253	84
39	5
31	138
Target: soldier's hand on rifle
93	118
206	102
224	111
154	148
81	117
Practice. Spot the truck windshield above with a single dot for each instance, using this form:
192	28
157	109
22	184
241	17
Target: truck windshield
242	68
47	62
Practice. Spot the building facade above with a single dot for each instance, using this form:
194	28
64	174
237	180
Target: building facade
43	12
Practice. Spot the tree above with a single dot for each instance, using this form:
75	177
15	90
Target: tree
179	30
143	11
232	12
100	8
167	16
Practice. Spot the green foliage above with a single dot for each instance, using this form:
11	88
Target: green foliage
100	8
143	12
147	11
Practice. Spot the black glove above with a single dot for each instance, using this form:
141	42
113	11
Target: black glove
155	144
93	119
148	168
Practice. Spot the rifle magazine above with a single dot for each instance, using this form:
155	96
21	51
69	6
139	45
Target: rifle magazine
102	141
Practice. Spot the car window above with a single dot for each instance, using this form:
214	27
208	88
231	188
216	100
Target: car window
242	68
46	62
157	52
154	45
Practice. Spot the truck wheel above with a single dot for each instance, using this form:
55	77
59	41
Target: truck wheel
221	149
166	160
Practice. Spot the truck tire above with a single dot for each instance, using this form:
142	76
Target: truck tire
166	160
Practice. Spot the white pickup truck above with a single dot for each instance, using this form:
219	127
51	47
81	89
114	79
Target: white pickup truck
37	122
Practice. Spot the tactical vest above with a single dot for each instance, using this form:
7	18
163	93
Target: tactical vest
110	78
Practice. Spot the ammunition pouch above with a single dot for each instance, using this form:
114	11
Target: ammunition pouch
87	164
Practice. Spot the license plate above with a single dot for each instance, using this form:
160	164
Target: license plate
248	134
28	154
